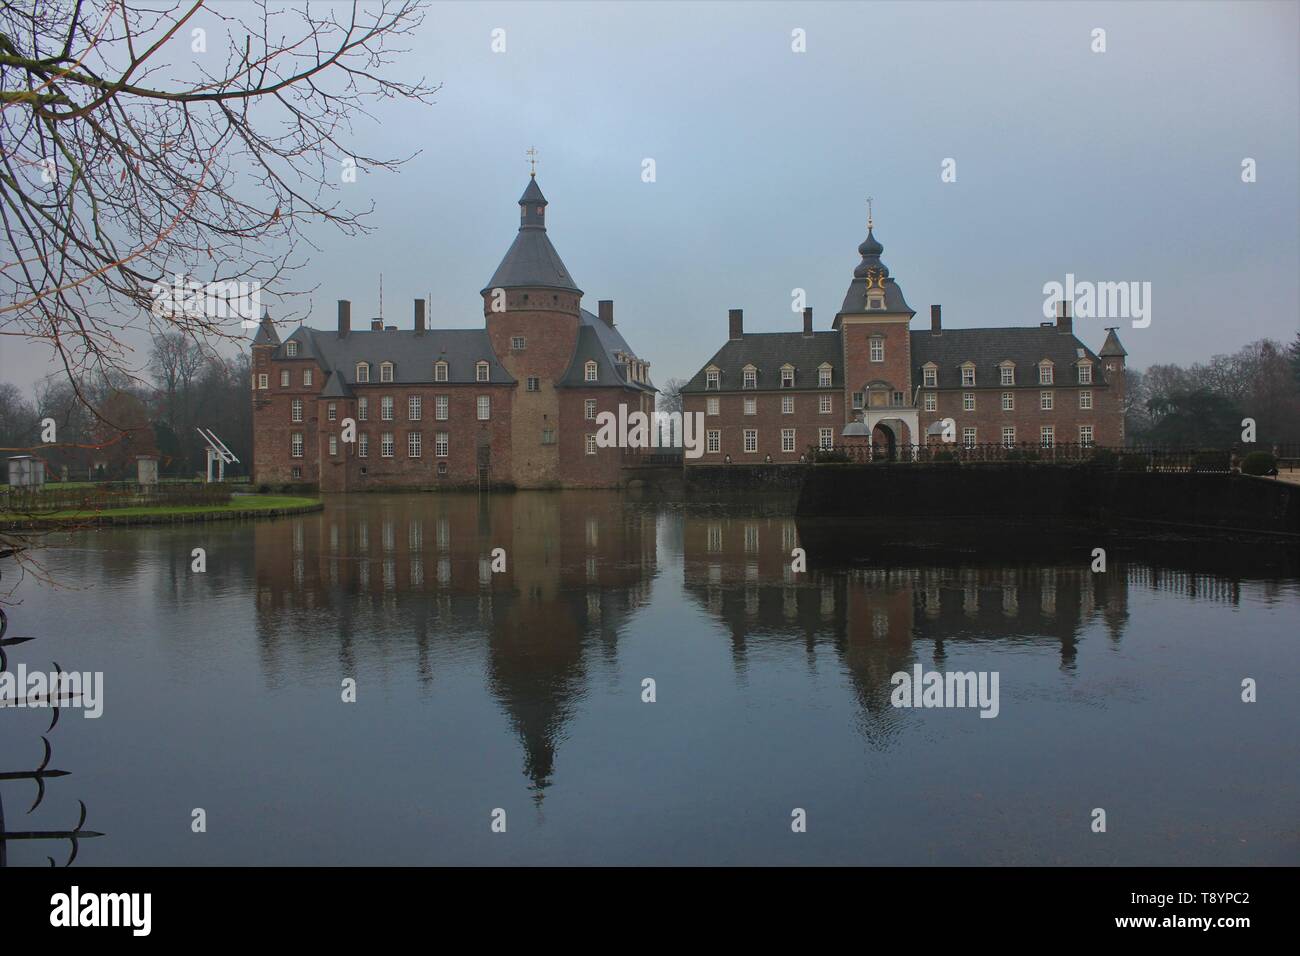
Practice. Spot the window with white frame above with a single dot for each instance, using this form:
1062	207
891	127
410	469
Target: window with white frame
589	372
334	445
295	445
824	404
877	346
517	343
826	437
751	406
787	440
1046	401
440	406
413	444
787	404
481	372
1085	373
386	371
414	408
857	399
484	408
968	374
1085	436
968	401
440	445
589	409
363	445
711	378
713	441
296	472
930	376
291	349
284	378
751	440
307	377
1008	375
1008	401
968	437
1045	371
1047	436
332	412
363	372
440	371
931	402
534	383
787	378
386	408
363	409
1008	435
386	445
750	377
262	381
824	377
1085	398
711	406
591	444
295	410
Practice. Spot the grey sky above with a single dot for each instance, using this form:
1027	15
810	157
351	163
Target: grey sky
1123	165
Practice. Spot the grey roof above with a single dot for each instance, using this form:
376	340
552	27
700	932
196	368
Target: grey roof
266	334
989	347
336	387
767	352
531	261
412	353
598	342
1111	346
871	268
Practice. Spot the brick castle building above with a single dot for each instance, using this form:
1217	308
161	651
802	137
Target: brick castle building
774	395
510	405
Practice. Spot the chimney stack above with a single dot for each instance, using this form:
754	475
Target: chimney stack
936	320
419	315
807	321
345	317
1063	321
606	307
376	325
736	323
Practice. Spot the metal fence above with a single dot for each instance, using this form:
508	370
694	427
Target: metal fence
1129	458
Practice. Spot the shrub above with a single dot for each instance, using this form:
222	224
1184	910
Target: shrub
1259	463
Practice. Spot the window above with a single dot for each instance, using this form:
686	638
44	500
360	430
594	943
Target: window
589	372
306	377
413	444
363	372
589	409
711	378
262	381
386	408
823	378
363	446
751	406
713	441
363	409
751	440
1045	401
751	378
968	401
1047	436
517	343
295	410
295	445
1085	398
930	377
440	407
591	444
284	378
787	404
787	378
548	436
481	372
1008	436
386	445
968	374
440	445
296	471
711	406
291	349
386	371
414	408
1008	375
334	445
898	398
968	437
1045	373
534	383
787	439
1085	436
826	437
931	402
332	411
857	399
1085	374
440	371
484	408
1008	401
877	349
824	404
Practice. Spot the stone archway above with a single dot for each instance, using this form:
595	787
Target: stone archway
884	443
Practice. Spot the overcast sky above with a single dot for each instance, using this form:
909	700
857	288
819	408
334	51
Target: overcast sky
1122	165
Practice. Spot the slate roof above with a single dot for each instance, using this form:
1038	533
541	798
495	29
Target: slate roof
989	347
266	334
1111	346
767	352
599	341
412	354
531	261
855	300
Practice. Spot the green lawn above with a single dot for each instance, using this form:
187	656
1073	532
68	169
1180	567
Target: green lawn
237	503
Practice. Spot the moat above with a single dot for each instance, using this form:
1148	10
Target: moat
522	689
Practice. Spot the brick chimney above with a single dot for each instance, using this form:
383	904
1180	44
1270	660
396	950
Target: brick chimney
1063	321
345	317
419	315
606	308
936	320
807	322
736	323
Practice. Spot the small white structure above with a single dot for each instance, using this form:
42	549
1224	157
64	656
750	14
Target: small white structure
146	470
217	451
26	471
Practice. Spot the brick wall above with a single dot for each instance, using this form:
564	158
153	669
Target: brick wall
769	421
988	418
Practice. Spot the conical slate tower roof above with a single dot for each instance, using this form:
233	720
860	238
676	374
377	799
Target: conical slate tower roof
266	334
531	261
1111	346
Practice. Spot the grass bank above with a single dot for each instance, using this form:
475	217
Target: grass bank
239	506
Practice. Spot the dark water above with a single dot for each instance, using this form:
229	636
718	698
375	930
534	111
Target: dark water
523	691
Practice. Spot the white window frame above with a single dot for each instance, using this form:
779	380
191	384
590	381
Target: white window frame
589	409
363	409
1047	436
824	377
291	349
386	408
787	404
263	381
414	408
295	445
363	445
1046	401
825	405
711	406
332	412
1008	401
876	348
284	378
482	372
968	401
307	378
713	441
969	437
826	438
385	372
441	407
751	441
1008	436
483	408
386	445
440	371
787	378
787	441
967	375
1008	375
930	377
1085	373
711	377
414	444
590	372
751	406
295	410
334	446
363	373
749	377
1087	441
1046	373
591	444
1085	398
441	444
517	343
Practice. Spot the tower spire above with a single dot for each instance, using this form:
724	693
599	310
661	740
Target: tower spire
869	213
531	153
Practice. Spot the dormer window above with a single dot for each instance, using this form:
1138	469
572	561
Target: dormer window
787	376
440	371
824	376
291	349
1085	373
1045	370
363	372
386	372
481	372
968	373
877	348
711	379
589	372
751	377
1008	373
930	376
